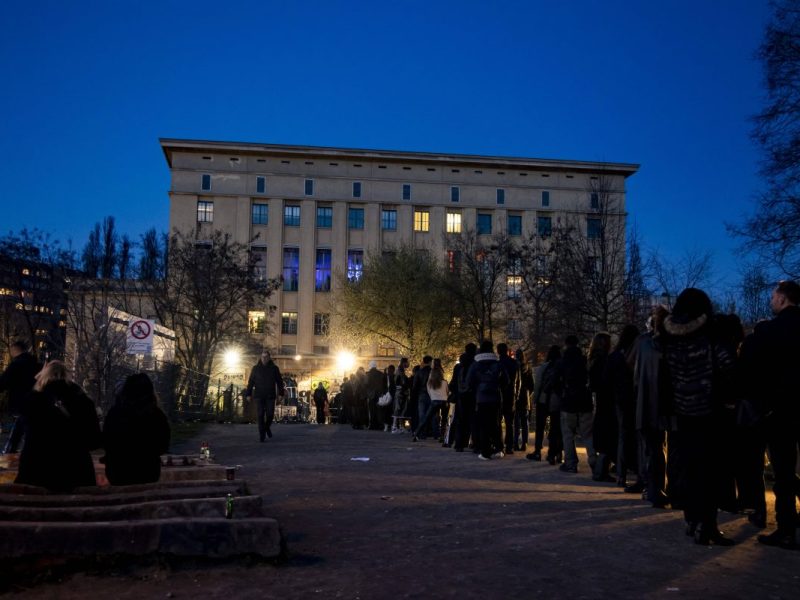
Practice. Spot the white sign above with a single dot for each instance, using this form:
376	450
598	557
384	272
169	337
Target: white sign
140	336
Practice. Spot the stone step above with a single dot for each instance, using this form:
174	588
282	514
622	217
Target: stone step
211	507
185	537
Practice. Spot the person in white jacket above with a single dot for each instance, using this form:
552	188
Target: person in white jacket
438	390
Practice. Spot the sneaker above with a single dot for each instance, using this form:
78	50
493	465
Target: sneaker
498	454
482	457
779	539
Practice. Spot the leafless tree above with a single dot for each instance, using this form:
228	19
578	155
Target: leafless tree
694	268
754	294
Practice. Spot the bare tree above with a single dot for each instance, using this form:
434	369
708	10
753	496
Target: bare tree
694	268
151	259
125	257
92	256
754	293
108	262
638	293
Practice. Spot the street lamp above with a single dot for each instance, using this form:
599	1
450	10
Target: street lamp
232	357
345	361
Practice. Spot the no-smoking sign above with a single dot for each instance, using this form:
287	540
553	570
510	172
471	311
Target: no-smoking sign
140	336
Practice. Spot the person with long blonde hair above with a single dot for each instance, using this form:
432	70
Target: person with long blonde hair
62	430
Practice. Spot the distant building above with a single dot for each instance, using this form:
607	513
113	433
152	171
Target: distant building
310	212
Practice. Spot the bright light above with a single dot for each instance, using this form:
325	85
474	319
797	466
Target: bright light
297	357
345	360
232	358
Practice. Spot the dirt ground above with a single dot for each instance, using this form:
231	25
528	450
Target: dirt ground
421	521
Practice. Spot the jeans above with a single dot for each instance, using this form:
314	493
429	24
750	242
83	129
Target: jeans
521	427
423	406
573	424
434	408
266	412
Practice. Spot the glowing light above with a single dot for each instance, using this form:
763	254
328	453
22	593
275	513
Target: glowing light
297	357
345	360
232	358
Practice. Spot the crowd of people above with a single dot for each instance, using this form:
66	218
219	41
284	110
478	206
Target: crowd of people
682	413
58	427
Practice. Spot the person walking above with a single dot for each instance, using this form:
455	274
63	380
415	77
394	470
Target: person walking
17	381
265	384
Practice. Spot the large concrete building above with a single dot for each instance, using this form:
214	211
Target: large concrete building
309	212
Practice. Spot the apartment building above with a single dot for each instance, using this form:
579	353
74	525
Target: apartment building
310	212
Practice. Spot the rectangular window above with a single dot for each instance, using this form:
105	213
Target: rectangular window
389	220
544	225
261	184
205	182
205	212
501	196
258	262
484	225
291	216
256	319
356	189
289	323
514	278
309	187
594	228
453	261
422	220
322	323
386	351
406	191
513	330
260	214
322	273
594	200
453	222
291	269
545	199
355	264
514	225
324	217
455	194
355	218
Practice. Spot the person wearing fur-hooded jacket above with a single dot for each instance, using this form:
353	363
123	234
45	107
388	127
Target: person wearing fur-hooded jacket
485	378
698	365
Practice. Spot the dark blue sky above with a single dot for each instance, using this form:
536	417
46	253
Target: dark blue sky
89	87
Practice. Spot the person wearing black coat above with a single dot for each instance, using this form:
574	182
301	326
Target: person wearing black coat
778	343
375	387
509	393
485	378
136	433
604	428
464	419
321	401
265	384
576	405
522	406
62	430
17	381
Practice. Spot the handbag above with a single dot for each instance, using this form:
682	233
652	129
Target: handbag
385	399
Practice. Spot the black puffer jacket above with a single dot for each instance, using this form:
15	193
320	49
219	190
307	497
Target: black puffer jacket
572	381
486	376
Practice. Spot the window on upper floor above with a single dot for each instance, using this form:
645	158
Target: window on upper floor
484	224
513	329
422	220
260	213
406	191
205	182
514	224
355	218
291	269
309	187
594	200
324	217
322	323
256	321
544	226
205	212
258	263
291	216
455	194
261	184
545	198
453	222
356	189
500	195
289	323
355	264
453	261
594	228
389	220
322	273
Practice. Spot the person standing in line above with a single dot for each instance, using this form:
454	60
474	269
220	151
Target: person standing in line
509	393
486	377
576	405
18	380
604	429
523	401
619	374
778	343
265	384
547	406
419	390
438	390
465	400
402	390
321	402
374	389
387	410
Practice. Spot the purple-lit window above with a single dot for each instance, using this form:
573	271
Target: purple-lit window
355	264
322	276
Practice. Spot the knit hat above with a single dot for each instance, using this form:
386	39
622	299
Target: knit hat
691	303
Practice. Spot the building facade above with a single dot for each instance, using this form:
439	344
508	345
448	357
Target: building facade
309	213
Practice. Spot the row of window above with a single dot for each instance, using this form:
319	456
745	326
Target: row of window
257	320
322	267
355	220
455	191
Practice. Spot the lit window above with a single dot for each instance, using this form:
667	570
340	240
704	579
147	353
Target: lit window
322	273
355	264
291	216
256	319
406	191
389	220
260	213
455	194
501	196
261	184
289	323
324	217
205	212
322	322
291	269
453	222
356	189
594	228
309	187
386	351
205	182
514	225
484	225
514	278
594	200
422	220
355	218
453	261
545	199
545	226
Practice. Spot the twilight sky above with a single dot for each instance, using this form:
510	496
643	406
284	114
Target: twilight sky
89	87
